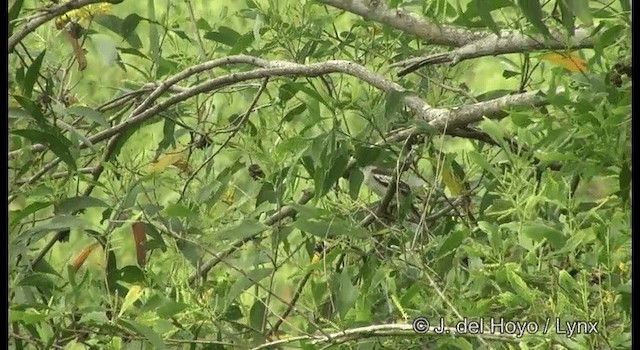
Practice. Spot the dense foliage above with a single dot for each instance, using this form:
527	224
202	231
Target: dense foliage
189	174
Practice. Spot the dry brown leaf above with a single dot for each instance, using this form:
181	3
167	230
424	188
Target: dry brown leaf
82	256
140	239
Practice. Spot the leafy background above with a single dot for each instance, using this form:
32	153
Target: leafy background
547	242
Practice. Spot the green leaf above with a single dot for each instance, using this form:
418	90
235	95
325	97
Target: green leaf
257	314
28	316
338	167
242	43
45	282
532	10
31	76
224	35
117	25
244	229
106	49
566	15
175	210
626	5
581	9
163	306
294	112
355	182
130	274
34	112
246	281
91	114
610	35
146	332
624	180
494	130
452	242
14	11
61	222
394	102
538	232
287	90
446	251
266	194
58	144
366	155
493	233
509	73
127	30
484	11
192	252
17	215
346	294
332	228
74	204
519	286
568	283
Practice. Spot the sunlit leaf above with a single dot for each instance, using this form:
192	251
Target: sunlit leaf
571	62
167	159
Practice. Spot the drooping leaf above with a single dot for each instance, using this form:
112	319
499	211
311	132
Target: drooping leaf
58	144
338	167
176	210
581	9
31	76
567	17
346	294
257	314
484	11
532	10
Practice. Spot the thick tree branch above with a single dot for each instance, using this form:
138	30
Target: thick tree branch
493	45
287	69
432	33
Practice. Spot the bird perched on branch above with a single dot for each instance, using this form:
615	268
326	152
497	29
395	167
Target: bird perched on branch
378	179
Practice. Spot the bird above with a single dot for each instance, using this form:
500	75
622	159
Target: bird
378	180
